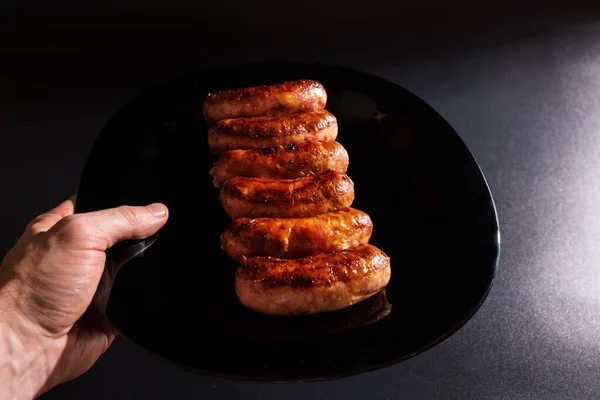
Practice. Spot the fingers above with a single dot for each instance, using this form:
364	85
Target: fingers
65	208
99	230
48	219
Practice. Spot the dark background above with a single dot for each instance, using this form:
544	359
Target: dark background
519	80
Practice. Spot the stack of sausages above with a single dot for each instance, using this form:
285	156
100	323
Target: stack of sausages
301	248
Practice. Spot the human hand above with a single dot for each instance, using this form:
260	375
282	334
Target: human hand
47	281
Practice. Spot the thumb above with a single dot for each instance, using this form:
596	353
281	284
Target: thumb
104	228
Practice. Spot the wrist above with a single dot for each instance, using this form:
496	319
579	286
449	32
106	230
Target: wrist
23	369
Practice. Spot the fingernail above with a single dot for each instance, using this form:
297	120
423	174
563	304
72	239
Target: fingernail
158	210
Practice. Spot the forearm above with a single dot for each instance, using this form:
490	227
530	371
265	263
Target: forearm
23	372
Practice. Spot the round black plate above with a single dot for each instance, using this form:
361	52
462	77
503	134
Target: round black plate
432	211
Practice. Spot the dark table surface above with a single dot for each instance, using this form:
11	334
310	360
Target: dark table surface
520	82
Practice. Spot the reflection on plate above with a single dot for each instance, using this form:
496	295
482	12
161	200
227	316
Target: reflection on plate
263	327
432	211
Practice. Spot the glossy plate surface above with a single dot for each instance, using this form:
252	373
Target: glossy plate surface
432	211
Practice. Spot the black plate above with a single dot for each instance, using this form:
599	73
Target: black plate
432	211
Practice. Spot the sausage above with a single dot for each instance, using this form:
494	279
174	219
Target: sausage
286	198
311	285
296	237
265	100
253	132
289	161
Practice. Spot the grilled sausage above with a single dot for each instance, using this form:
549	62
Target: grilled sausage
310	285
280	162
265	100
250	133
296	237
286	198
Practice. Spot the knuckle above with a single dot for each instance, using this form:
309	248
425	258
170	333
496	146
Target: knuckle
34	226
72	227
130	215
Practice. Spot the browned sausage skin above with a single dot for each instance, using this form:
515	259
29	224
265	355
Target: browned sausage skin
296	237
287	198
289	161
322	283
266	100
250	133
